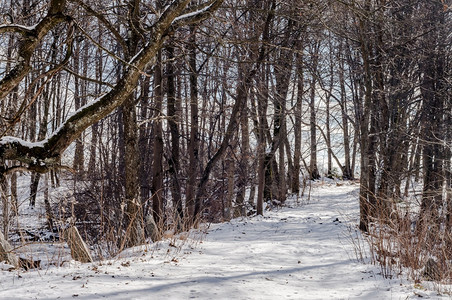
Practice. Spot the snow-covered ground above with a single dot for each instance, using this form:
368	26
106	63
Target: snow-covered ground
303	251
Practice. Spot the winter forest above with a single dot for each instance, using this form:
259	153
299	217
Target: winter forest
125	122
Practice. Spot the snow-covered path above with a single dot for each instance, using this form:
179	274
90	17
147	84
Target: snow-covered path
299	252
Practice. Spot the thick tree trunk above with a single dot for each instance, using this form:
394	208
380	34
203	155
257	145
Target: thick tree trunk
157	165
261	159
193	145
313	170
173	121
262	113
433	96
134	234
282	82
262	104
145	144
365	192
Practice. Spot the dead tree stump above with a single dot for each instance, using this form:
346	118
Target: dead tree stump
152	229
431	270
79	250
6	252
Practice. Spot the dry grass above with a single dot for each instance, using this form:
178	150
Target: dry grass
402	244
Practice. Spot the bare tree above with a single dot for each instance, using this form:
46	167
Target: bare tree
44	155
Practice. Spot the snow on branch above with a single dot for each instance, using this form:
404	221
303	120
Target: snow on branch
17	28
45	154
197	13
192	13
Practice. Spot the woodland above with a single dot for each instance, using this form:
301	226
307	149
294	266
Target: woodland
160	115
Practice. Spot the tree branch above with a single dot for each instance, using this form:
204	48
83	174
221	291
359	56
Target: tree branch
23	30
46	153
32	37
198	13
104	21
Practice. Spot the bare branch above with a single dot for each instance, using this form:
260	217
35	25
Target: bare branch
23	30
198	13
104	21
46	153
28	44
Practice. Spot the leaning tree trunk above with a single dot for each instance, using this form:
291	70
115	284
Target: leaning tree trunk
79	250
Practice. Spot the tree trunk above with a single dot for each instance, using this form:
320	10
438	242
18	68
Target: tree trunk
347	172
134	218
313	170
157	166
432	91
6	253
79	250
193	145
329	171
5	203
365	196
298	124
78	152
48	207
230	168
243	164
173	121
145	145
262	104
95	126
134	234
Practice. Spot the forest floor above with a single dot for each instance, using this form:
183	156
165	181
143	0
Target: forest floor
309	249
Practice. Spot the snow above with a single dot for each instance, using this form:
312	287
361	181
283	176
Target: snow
11	139
192	14
22	27
132	60
302	251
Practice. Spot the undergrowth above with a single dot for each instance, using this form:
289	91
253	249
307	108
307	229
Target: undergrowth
404	245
